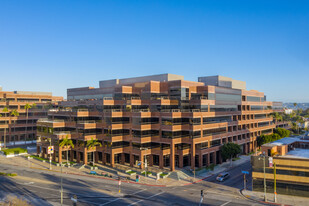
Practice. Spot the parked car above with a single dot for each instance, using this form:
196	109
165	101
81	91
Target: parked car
222	176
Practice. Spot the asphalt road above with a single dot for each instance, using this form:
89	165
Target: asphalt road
43	188
236	179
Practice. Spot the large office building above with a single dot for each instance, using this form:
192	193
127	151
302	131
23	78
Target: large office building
17	124
164	118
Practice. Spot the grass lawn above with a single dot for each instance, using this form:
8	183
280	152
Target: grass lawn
148	173
14	151
8	174
41	159
162	175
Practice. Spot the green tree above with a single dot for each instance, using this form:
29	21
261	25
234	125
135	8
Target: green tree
14	113
282	132
5	110
65	143
230	150
278	117
295	104
92	144
27	107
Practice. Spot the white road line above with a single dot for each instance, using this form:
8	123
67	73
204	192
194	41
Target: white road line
147	198
225	203
122	197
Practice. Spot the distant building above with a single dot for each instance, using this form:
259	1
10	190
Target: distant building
164	119
291	156
288	111
19	129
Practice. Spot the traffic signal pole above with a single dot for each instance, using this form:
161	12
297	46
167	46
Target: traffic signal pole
275	183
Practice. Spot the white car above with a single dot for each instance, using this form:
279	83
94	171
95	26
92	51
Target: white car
222	176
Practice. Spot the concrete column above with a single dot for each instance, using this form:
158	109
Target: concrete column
78	156
214	158
122	158
141	157
103	158
192	155
161	160
172	157
150	160
85	157
71	155
54	156
181	160
200	159
131	160
60	155
220	158
112	159
96	157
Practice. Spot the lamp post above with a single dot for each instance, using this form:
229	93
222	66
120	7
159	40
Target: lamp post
61	188
143	148
50	140
263	157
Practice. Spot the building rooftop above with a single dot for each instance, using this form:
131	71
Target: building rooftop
298	153
283	141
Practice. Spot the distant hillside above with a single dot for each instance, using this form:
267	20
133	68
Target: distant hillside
298	106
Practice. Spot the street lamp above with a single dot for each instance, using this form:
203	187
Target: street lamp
61	188
263	157
50	158
144	148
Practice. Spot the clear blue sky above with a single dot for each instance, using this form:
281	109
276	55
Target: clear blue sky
55	45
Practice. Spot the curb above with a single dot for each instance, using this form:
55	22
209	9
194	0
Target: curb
260	201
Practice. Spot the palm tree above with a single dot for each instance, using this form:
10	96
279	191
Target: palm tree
14	113
92	144
5	110
27	107
66	142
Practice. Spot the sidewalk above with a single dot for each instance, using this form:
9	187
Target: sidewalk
150	181
281	199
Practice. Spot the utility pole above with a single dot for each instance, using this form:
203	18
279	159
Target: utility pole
61	189
50	158
264	178
145	165
275	183
202	197
119	183
245	186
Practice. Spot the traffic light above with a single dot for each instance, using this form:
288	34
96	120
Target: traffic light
202	193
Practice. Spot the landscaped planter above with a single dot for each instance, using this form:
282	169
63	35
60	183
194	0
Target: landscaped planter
131	172
94	168
163	176
30	158
148	173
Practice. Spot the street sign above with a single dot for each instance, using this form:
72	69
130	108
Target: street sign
245	172
50	150
270	160
139	163
74	198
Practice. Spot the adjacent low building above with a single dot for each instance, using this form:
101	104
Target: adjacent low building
19	127
163	118
291	156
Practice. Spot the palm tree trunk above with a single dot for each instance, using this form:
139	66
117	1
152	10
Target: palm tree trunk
67	157
14	131
4	140
26	128
93	158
